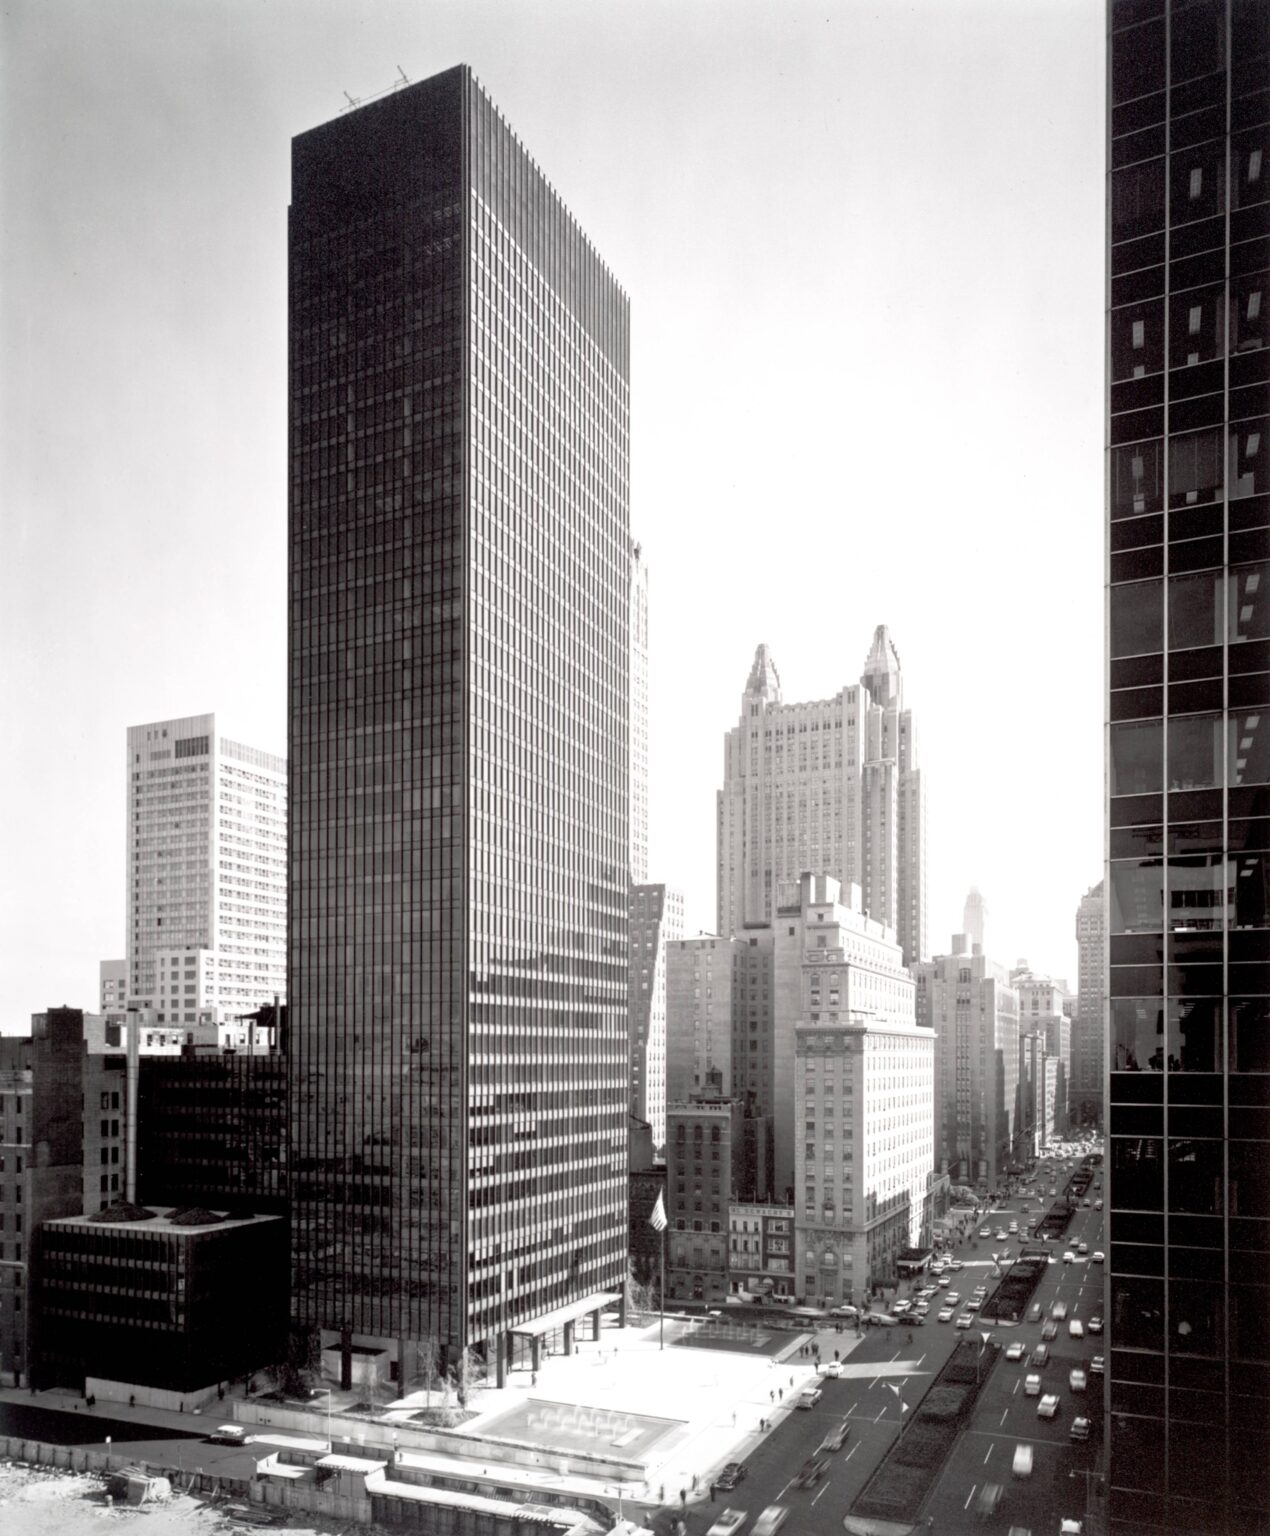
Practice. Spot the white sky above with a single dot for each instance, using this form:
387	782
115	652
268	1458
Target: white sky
863	246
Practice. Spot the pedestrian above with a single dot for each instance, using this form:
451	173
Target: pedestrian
782	1393
694	1482
683	1500
734	1418
771	1397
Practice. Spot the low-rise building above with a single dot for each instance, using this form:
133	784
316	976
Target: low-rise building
705	1159
761	1251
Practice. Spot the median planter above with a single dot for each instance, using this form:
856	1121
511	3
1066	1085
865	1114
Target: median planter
901	1484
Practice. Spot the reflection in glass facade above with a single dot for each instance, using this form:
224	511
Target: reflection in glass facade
459	567
1188	767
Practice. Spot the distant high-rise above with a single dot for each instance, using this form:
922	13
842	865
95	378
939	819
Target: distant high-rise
1089	1033
639	716
1188	766
974	919
831	787
460	657
207	873
657	917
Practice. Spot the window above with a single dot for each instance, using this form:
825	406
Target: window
1137	618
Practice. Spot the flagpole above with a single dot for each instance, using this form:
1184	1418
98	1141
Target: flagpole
661	1322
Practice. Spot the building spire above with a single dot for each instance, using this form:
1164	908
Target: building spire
882	669
765	680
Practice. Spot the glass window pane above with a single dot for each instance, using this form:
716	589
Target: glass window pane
1250	1034
1195	1034
1249	750
1137	1030
1195	467
1248	311
1137	757
1137	62
1197	893
1249	457
1137	618
1137	1179
1137	200
1137	339
1248	604
1195	610
1250	896
1137	478
1137	896
1197	326
1195	751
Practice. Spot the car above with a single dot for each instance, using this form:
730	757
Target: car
836	1438
1094	1325
922	1308
771	1520
1079	1429
1040	1357
808	1397
1034	1312
228	1434
985	1231
1098	1257
811	1471
1050	1331
881	1320
957	1264
830	1368
730	1521
980	1290
901	1307
1069	1257
1059	1311
844	1311
944	1282
1047	1408
1031	1385
1076	1329
1022	1465
972	1305
990	1496
1096	1366
1076	1379
952	1298
1000	1234
946	1315
1085	1204
964	1321
925	1291
1014	1227
1015	1351
731	1475
1097	1205
1054	1190
1082	1249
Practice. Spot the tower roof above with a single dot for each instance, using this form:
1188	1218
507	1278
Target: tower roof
882	668
764	679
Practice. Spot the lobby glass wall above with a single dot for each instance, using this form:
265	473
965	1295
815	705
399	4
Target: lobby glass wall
1188	766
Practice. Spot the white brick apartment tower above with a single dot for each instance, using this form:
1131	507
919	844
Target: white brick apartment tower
207	878
831	786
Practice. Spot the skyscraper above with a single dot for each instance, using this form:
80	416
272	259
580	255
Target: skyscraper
1089	1032
207	896
832	787
460	562
639	716
1188	766
974	919
657	917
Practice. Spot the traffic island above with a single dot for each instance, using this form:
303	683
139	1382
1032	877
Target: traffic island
890	1502
1009	1302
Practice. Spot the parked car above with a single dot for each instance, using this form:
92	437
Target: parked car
228	1434
836	1438
1022	1466
1047	1408
1076	1379
731	1475
1031	1385
1096	1366
728	1523
771	1520
808	1398
1079	1429
1015	1351
1094	1325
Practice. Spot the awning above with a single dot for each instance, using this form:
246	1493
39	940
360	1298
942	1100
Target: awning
537	1326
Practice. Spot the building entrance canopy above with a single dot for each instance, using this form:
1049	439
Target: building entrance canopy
536	1327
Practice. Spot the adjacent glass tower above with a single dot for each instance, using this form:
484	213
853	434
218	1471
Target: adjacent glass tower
459	671
1188	767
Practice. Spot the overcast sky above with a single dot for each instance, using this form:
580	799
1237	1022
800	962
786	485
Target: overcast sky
863	248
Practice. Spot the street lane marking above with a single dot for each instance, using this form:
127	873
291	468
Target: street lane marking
852	1451
1004	1414
988	1453
970	1495
822	1490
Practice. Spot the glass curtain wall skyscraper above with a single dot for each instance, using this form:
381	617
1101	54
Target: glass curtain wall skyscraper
459	662
1188	767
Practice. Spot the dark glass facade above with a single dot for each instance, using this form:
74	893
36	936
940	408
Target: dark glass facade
1188	767
459	864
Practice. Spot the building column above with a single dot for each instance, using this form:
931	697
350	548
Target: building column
569	1329
500	1358
535	1353
595	1325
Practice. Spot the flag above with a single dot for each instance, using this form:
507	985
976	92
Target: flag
658	1220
